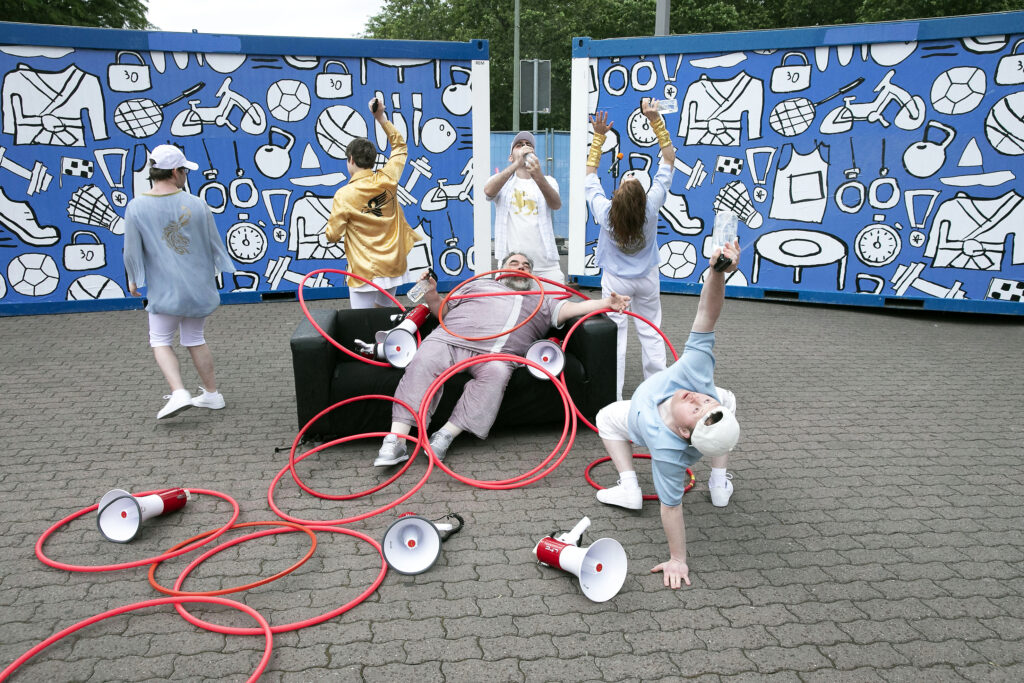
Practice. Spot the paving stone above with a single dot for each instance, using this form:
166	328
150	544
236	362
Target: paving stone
857	547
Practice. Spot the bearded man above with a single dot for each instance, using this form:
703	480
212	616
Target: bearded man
474	318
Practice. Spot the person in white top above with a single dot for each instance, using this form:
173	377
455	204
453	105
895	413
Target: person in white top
524	199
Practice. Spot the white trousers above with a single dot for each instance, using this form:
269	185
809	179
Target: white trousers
646	301
162	328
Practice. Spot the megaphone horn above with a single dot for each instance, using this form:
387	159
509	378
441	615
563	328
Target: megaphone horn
120	515
600	567
412	543
398	347
547	353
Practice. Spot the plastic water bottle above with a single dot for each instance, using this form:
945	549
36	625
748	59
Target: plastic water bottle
420	288
723	233
725	229
667	106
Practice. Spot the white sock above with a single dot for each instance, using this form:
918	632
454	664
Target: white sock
207	392
717	477
628	480
181	392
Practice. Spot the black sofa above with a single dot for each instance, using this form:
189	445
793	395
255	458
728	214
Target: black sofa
324	376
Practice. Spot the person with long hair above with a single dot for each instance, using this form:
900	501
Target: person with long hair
627	248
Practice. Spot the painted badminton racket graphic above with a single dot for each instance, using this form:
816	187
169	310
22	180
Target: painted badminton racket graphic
794	116
142	117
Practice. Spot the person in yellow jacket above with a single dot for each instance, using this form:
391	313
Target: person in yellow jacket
367	215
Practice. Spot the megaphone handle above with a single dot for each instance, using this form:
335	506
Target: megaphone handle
573	537
451	532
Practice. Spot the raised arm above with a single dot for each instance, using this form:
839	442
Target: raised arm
712	296
551	195
649	107
601	125
399	150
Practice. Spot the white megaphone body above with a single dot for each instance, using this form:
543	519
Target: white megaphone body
600	567
120	515
412	543
397	346
548	354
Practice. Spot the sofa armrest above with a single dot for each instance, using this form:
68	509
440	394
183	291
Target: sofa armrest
593	343
313	362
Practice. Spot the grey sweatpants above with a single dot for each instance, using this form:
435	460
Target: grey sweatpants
477	408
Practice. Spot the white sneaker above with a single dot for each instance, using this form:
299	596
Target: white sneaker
720	495
212	400
392	452
630	498
177	401
440	442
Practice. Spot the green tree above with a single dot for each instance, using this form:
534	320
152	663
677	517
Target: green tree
99	13
548	26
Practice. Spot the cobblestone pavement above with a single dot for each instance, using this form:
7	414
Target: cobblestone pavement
875	532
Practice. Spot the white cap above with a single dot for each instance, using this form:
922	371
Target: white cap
170	157
719	438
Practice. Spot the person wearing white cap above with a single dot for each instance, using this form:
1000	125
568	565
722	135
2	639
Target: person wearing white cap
679	415
523	201
173	249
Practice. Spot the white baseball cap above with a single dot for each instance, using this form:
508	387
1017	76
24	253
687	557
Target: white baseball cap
713	440
170	157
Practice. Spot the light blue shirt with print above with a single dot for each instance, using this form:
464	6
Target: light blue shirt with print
172	247
670	453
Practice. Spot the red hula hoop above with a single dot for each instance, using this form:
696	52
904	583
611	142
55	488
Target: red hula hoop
314	522
136	563
518	273
350	496
565	345
247	537
690	479
296	625
174	600
528	477
305	310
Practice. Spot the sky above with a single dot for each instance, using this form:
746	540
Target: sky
304	18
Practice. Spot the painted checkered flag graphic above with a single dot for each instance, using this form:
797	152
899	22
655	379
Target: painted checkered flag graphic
82	168
730	165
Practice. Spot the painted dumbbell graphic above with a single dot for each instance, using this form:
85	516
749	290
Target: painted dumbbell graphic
420	167
38	178
277	270
906	277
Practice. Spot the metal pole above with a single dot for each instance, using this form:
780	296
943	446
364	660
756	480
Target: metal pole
515	73
661	12
536	63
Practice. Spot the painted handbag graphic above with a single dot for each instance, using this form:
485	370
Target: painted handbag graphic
81	255
791	77
333	85
126	76
1010	70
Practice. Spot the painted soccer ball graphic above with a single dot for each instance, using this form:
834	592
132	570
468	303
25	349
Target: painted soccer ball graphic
94	286
958	90
288	100
678	259
33	274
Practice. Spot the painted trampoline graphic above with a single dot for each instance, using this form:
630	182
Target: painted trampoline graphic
82	108
883	160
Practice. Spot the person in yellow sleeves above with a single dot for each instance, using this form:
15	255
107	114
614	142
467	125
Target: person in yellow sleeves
367	215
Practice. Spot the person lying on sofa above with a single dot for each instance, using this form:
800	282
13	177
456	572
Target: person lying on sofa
477	317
